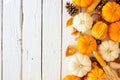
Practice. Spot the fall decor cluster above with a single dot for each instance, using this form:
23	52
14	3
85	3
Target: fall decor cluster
96	28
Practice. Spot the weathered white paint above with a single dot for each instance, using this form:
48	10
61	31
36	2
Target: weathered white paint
11	40
22	42
31	40
51	40
1	53
67	38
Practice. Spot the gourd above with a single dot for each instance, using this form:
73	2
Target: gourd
78	64
82	3
114	65
86	44
99	59
96	74
111	12
82	22
109	50
93	5
108	70
71	77
114	31
99	30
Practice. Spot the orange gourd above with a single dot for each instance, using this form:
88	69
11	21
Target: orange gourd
71	77
86	44
96	74
99	30
111	12
114	31
82	3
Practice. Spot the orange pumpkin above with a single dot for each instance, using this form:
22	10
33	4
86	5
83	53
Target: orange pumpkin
114	31
71	77
82	3
86	44
96	74
111	12
99	30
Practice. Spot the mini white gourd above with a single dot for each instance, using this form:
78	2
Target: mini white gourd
109	50
82	22
78	64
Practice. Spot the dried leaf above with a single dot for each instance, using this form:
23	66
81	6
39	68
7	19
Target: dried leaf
69	22
74	31
117	60
70	50
118	71
94	65
84	77
94	62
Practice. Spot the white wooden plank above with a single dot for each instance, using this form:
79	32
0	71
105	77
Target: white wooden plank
11	44
51	40
1	38
31	40
67	39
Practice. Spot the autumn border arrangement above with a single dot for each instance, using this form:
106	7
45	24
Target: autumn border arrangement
96	26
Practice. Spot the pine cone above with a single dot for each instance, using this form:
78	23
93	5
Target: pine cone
71	9
98	41
101	4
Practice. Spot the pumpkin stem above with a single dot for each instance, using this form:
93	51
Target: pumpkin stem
114	9
89	42
80	65
109	51
82	22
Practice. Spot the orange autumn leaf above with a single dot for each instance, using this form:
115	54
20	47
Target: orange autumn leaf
74	31
70	50
69	22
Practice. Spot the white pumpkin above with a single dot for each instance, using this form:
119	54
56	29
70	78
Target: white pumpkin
109	50
79	64
82	22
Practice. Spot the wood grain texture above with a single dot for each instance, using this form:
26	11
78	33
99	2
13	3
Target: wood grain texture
11	40
1	39
67	38
51	40
31	40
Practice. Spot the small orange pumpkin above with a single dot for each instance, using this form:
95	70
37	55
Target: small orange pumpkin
111	12
96	74
82	3
99	30
86	44
114	31
71	77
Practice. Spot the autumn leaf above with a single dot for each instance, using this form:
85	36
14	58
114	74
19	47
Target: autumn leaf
70	50
69	22
74	31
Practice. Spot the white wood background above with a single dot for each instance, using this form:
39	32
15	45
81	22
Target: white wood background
33	39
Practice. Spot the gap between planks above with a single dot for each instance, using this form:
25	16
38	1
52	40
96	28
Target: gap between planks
41	37
21	37
1	3
61	38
